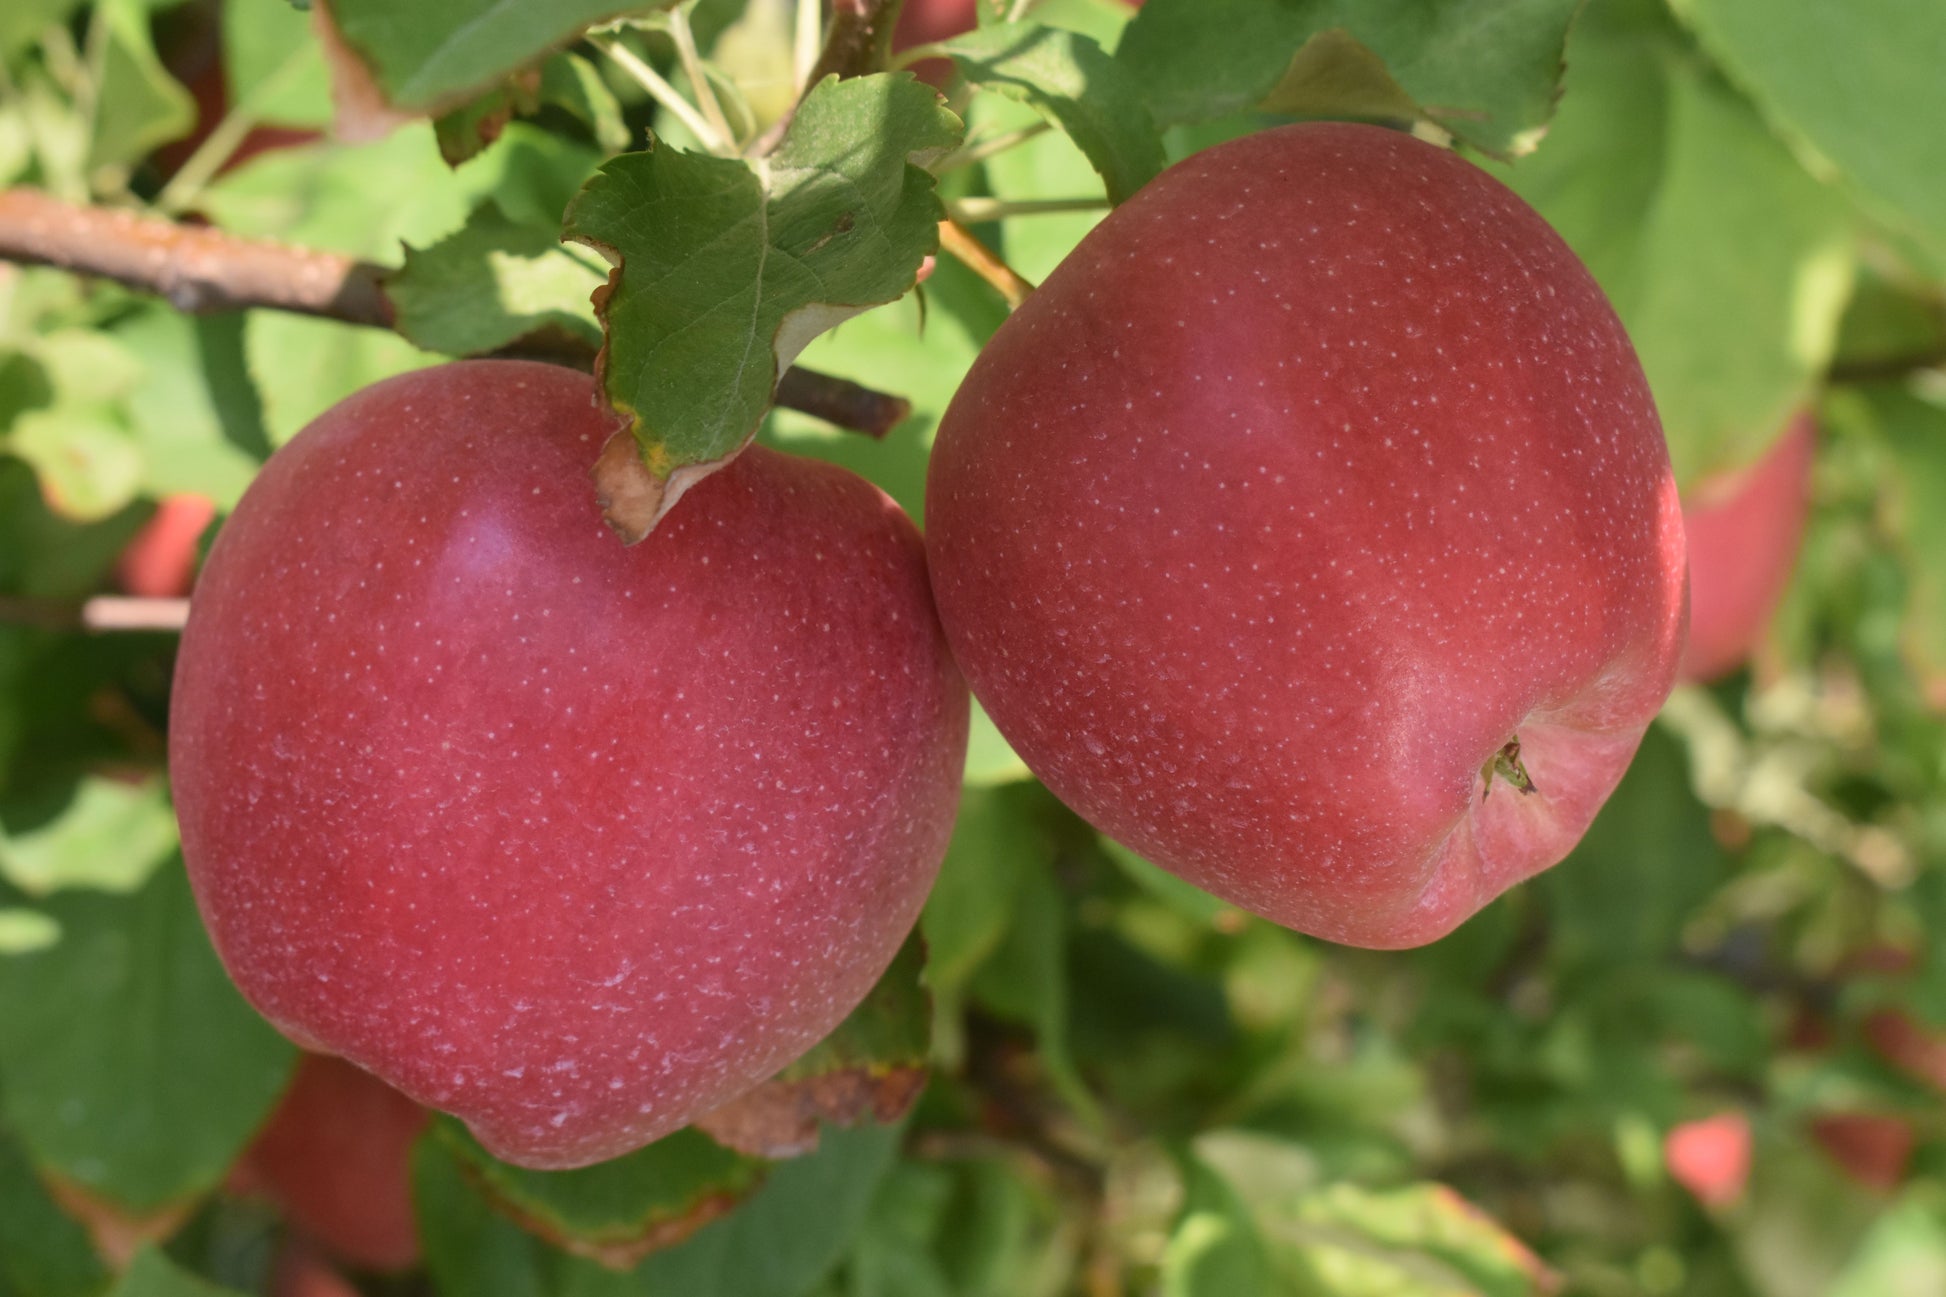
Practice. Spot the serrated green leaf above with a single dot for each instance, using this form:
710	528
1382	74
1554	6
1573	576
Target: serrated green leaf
152	1102
615	1211
494	281
42	1252
726	269
1077	87
141	106
110	836
1729	265
153	1274
1858	85
428	56
1483	69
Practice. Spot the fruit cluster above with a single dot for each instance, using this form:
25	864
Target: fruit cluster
1309	531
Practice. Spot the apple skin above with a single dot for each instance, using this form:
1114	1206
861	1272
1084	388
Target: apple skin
337	1156
1710	1157
571	840
923	22
1744	531
1316	474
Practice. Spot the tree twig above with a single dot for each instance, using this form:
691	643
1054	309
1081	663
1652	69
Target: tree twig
202	270
100	615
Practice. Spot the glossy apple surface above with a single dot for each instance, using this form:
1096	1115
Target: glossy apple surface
1316	477
337	1155
1744	532
571	840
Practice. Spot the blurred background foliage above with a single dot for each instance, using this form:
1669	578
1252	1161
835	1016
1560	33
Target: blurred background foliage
1706	1055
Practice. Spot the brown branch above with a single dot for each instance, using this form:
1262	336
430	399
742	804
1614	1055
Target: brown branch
197	269
102	614
956	239
200	270
857	43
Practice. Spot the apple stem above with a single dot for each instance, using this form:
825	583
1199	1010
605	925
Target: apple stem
1507	764
984	262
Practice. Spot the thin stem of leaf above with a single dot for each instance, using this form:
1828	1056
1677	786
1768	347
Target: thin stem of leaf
1021	8
692	69
194	175
976	151
664	94
974	210
983	261
809	41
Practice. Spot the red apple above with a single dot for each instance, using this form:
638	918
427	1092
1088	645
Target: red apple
1710	1157
337	1155
1871	1148
923	22
159	561
1909	1045
1315	497
573	841
1743	532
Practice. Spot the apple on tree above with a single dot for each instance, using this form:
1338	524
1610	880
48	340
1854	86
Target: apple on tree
572	840
1310	531
1710	1157
337	1156
1744	531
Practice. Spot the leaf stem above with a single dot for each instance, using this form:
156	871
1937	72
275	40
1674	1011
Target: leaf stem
692	69
974	210
209	158
664	94
809	40
976	151
956	239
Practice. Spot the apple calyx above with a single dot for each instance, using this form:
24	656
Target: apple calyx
1506	763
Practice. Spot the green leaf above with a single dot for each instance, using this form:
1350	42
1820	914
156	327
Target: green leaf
128	1062
1423	1241
153	1274
73	427
110	836
1729	265
1026	981
998	837
304	366
195	414
575	85
1858	86
141	106
778	1243
726	269
23	21
271	61
42	1252
1905	1252
1215	1250
617	1211
1913	428
790	1233
1486	70
23	931
1077	87
428	56
1644	865
494	281
872	1067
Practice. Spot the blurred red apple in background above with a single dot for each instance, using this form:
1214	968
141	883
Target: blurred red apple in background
1744	531
337	1156
572	840
1710	1157
1312	506
1872	1148
922	22
159	561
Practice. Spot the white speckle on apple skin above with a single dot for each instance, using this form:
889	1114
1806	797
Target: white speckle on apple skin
571	840
1257	548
